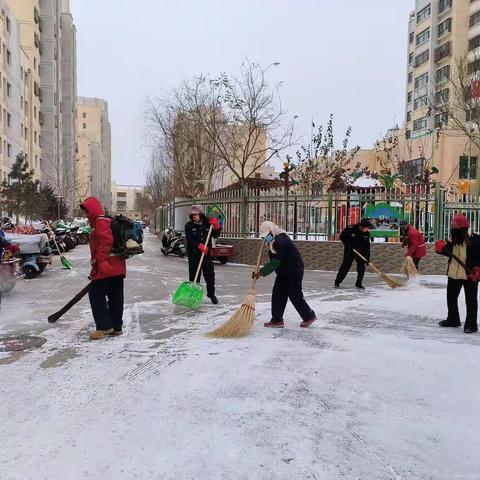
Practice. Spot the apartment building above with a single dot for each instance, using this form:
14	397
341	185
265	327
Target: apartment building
16	87
124	200
93	158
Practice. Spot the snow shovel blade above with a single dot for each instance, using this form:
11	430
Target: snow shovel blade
189	294
66	263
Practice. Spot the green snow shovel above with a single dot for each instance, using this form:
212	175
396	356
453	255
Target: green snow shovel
65	261
190	294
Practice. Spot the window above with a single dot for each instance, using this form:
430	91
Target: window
409	116
84	125
26	133
9	89
408	134
443	5
475	19
35	137
467	168
442	74
471	114
121	194
34	112
410	77
420	102
409	97
419	124
422	58
411	169
411	37
445	27
443	51
410	58
423	14
84	115
441	119
34	63
9	57
442	96
9	150
122	206
474	43
474	66
9	120
423	37
421	81
8	24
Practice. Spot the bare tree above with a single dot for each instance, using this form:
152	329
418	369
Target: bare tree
456	102
320	164
159	184
225	122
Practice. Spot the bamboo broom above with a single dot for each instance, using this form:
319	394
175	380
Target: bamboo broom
243	320
409	269
391	282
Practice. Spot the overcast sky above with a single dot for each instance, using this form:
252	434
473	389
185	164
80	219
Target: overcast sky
346	57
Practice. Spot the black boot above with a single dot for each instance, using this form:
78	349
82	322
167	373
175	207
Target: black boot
360	286
336	285
470	328
213	298
449	323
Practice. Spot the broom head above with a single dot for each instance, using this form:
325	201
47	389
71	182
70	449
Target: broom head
66	262
391	282
409	268
189	294
241	322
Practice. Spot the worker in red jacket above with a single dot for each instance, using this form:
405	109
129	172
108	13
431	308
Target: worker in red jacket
107	273
414	241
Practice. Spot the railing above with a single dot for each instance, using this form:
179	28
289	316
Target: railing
322	217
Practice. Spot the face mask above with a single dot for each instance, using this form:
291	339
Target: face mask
269	238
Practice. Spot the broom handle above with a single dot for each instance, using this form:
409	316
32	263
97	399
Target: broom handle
53	238
257	268
367	262
197	275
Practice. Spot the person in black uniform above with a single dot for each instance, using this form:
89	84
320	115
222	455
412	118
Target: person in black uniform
355	237
196	232
286	261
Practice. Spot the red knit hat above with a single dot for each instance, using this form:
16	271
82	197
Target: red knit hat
460	221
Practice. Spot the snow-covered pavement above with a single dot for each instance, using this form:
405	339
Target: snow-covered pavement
375	390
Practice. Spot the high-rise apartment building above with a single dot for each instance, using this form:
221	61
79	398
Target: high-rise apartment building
21	103
439	35
94	159
48	48
54	14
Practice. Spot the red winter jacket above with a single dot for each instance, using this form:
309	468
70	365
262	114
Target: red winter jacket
415	242
104	265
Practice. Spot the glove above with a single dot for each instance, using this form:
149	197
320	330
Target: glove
14	248
256	275
439	246
214	221
203	248
475	275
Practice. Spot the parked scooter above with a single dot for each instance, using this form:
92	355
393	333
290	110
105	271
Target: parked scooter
35	252
173	243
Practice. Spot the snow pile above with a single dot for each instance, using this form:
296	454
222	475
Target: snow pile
366	182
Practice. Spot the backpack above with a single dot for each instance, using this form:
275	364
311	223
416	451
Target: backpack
127	237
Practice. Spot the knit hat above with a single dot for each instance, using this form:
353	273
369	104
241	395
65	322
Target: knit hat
196	210
460	221
365	222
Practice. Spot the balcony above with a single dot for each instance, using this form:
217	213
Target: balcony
443	51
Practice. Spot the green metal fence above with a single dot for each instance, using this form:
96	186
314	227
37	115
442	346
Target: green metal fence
323	217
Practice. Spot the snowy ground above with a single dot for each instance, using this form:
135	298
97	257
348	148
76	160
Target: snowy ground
375	390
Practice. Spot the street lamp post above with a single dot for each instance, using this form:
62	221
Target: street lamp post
59	200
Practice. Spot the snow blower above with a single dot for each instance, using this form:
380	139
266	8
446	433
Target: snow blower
391	282
190	294
243	319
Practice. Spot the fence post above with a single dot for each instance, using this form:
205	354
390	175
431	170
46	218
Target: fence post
244	211
439	210
329	215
